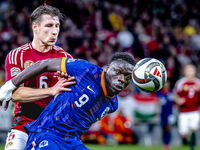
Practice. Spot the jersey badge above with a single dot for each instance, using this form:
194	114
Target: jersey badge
70	60
104	112
14	71
9	144
43	143
28	63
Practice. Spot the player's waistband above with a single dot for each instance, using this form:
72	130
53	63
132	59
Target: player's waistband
68	135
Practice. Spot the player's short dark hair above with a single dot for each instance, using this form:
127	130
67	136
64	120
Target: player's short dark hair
124	56
36	15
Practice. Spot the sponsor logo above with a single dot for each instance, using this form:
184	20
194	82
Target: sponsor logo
157	73
88	87
9	144
28	63
43	143
14	71
11	136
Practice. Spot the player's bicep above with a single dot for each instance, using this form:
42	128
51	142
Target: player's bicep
54	65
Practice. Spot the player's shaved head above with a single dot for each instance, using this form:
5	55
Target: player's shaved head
37	14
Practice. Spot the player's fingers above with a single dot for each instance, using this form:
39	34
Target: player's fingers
69	83
6	105
71	78
66	89
58	73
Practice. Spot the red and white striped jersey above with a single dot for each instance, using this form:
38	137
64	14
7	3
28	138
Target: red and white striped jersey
190	90
21	58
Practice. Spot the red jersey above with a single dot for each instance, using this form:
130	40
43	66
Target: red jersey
190	91
21	58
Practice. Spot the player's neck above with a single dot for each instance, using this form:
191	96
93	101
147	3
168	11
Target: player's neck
190	79
108	91
40	46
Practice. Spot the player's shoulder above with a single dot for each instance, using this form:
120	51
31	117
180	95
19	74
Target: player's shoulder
182	80
20	49
197	80
61	51
15	53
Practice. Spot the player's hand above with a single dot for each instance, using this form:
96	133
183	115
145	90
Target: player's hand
181	101
6	91
62	84
6	104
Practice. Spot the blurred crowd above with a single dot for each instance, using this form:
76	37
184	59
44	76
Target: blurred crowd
168	30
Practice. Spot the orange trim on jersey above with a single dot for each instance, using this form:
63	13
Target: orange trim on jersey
103	84
63	68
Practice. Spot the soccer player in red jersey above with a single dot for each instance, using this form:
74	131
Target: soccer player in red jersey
186	95
45	22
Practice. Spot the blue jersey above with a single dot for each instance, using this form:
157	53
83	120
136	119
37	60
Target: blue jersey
166	100
73	113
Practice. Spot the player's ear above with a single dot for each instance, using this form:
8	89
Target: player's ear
107	68
34	27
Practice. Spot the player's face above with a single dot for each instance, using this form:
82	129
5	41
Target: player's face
189	71
118	76
48	30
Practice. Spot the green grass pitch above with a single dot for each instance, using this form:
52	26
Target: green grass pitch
125	147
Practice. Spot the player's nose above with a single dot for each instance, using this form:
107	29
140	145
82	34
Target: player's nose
122	78
55	31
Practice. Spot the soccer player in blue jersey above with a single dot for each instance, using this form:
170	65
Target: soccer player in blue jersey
167	118
70	114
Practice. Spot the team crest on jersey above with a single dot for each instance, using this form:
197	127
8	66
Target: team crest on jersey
28	63
70	60
14	71
9	144
43	143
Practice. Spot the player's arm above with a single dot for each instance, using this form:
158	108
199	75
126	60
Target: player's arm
48	65
178	100
27	94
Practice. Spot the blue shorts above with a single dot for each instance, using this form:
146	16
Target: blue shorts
49	141
167	118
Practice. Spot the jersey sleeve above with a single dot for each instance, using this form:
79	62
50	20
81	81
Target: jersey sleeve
177	88
75	67
12	64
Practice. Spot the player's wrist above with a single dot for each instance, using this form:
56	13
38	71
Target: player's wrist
6	91
9	86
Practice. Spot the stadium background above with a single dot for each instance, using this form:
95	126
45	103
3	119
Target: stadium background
95	29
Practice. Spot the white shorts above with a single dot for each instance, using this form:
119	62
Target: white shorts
188	121
16	140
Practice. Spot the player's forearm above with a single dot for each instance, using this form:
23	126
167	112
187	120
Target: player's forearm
48	65
176	98
26	94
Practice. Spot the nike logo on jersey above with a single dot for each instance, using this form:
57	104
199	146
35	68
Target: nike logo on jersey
88	87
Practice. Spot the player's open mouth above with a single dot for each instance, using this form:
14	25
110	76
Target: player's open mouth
118	88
